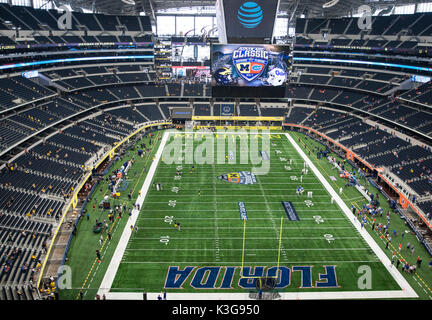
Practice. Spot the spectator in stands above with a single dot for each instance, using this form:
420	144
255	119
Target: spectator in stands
24	268
10	237
38	266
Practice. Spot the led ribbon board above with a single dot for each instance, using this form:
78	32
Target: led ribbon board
372	63
37	63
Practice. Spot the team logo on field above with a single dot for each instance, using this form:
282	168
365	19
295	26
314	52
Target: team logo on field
241	177
250	62
217	277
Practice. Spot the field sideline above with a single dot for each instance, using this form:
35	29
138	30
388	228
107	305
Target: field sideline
206	255
226	251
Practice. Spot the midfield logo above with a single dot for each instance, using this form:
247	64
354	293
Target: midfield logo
241	177
250	62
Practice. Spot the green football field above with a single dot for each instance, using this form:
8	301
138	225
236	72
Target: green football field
215	251
213	234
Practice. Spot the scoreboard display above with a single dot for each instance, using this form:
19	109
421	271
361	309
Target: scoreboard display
241	66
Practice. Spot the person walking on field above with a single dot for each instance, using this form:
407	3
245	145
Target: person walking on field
419	261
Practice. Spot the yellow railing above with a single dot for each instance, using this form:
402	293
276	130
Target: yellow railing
237	118
240	127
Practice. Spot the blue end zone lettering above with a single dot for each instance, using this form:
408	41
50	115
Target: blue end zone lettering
306	275
329	276
205	278
176	277
284	276
290	211
228	278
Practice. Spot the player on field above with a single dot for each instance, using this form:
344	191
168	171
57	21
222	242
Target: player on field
177	225
299	190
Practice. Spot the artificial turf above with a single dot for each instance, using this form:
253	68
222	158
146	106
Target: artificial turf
212	231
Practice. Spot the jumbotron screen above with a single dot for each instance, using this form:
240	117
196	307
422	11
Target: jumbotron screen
240	66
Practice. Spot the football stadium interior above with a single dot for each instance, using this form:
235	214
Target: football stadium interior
215	150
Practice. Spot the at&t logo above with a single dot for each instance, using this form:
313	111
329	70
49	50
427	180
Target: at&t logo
250	15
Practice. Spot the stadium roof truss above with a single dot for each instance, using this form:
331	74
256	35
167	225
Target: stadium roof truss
309	8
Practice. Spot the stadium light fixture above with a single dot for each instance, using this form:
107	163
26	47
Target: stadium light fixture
129	2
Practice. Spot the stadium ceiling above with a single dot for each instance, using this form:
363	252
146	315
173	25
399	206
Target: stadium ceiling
290	8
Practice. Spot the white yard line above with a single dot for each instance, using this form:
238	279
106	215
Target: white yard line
239	195
238	263
223	188
241	238
230	202
233	210
200	218
276	227
252	249
216	227
121	247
